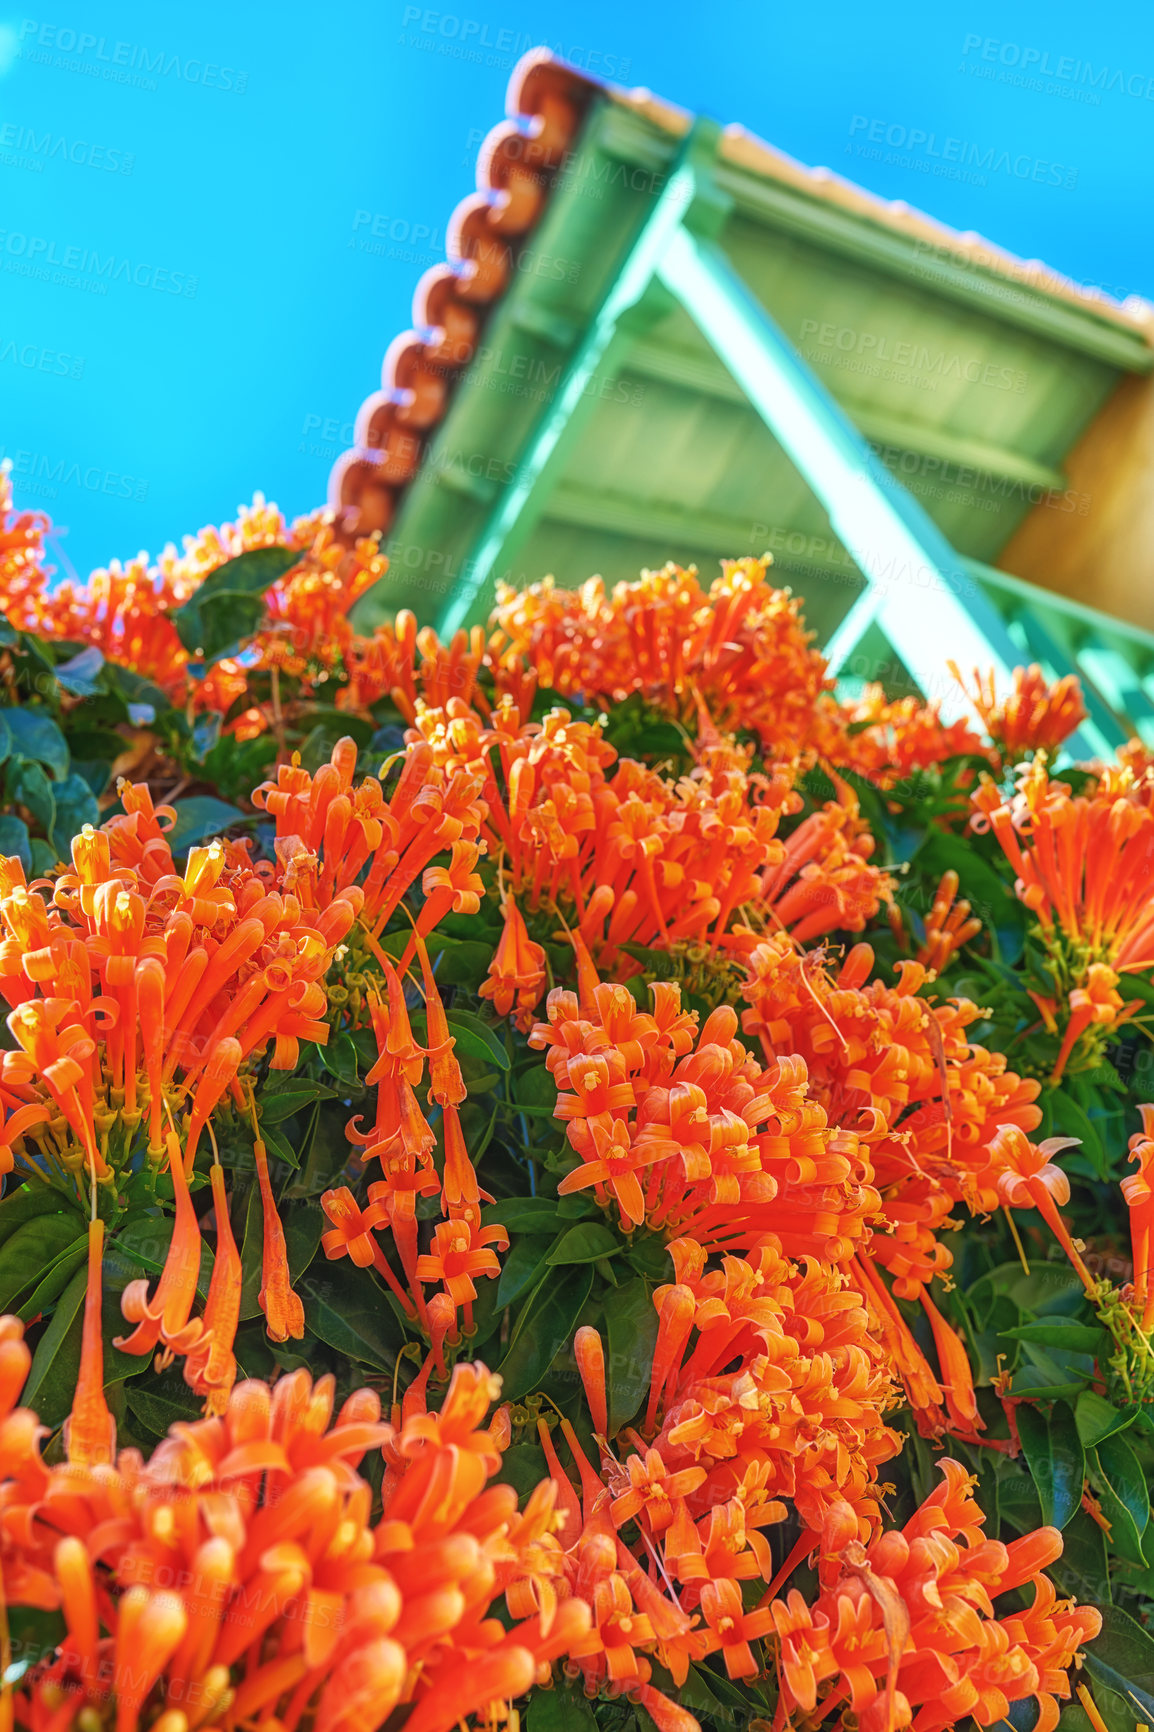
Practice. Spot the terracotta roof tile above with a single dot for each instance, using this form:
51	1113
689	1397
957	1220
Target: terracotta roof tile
545	103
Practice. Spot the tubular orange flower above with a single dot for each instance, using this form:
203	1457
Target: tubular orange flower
590	1356
1035	717
1138	1190
352	1233
166	1317
460	1252
90	1431
210	1366
957	1378
1029	1178
284	1313
948	926
517	971
1085	865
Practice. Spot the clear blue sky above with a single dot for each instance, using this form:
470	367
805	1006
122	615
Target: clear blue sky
254	326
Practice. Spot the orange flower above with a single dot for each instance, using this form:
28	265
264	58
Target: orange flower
948	925
590	1356
90	1431
351	1233
1097	1003
1035	717
166	1317
740	647
652	1489
1028	1178
957	1378
1085	865
517	971
284	1313
461	1251
210	1367
1138	1190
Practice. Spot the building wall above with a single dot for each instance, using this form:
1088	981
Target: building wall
1102	556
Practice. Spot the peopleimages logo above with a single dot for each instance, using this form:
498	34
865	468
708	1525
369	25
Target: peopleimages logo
486	43
880	354
55	147
131	63
38	359
955	157
37	256
44	474
1037	63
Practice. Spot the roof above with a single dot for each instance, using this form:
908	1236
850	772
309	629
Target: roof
532	154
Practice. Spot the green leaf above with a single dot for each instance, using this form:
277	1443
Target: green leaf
328	1151
56	1362
575	1206
157	1409
1082	1572
1056	1460
536	1088
1068	1119
545	1324
649	1255
29	786
632	1328
1049	1287
1123	1657
565	1708
31	1249
329	726
477	1038
1123	1489
75	806
1073	1337
14	840
44	858
522	1214
585	1244
1096	1418
280	1146
36	736
80	674
339	1057
32	1199
229	604
43	1373
349	1313
1051	1373
54	1280
277	1104
461	961
200	818
520	1269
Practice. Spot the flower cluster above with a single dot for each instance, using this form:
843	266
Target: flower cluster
682	1131
598	1016
239	1573
1085	870
905	1627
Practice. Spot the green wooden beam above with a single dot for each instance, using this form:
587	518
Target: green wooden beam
1010	300
929	607
524	499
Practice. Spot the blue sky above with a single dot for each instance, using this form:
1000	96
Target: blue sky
230	178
